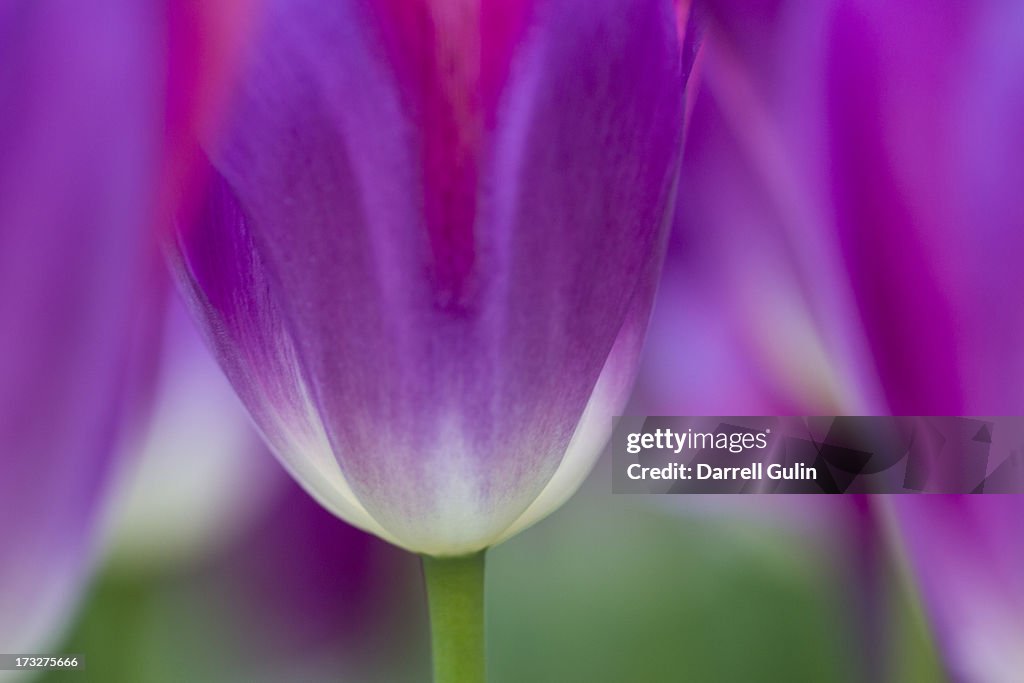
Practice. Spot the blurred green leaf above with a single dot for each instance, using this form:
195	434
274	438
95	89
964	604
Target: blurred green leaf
612	590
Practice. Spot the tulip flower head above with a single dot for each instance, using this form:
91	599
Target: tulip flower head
430	245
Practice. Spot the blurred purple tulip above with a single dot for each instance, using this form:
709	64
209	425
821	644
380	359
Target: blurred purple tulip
849	236
78	104
82	126
429	251
914	106
754	313
924	179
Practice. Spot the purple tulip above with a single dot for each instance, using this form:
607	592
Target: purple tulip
76	179
849	215
851	226
914	107
924	184
82	129
429	251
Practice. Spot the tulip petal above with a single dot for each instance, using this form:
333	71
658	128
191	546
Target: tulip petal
905	132
607	400
967	558
987	236
889	183
227	286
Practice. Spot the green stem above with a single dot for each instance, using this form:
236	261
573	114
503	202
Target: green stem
455	591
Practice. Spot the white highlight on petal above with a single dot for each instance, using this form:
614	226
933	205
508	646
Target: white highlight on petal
591	435
458	523
461	514
301	445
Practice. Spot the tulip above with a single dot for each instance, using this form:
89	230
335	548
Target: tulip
429	249
78	134
925	189
852	179
82	128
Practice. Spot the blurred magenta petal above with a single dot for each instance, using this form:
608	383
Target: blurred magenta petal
430	247
988	147
906	107
887	96
924	180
